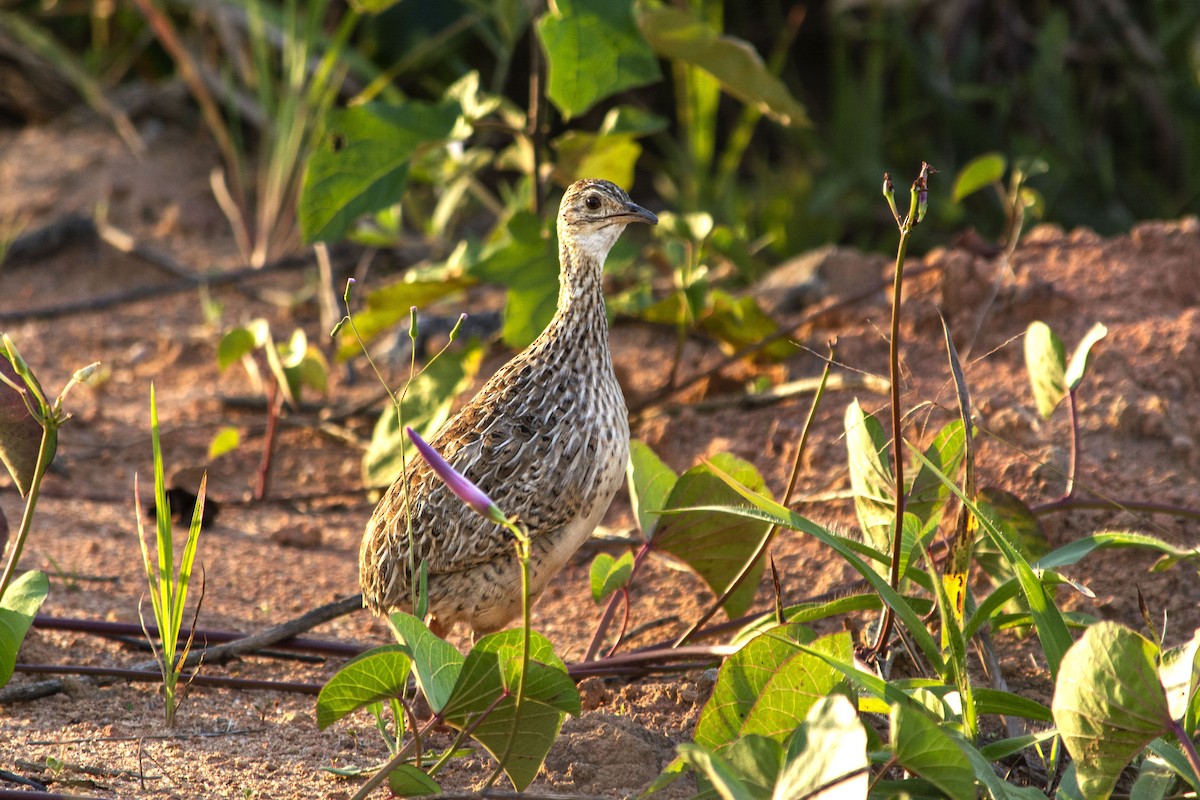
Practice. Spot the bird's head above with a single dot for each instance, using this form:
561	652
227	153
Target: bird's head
593	213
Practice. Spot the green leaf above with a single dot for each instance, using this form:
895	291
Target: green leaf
610	574
927	495
1108	703
593	155
362	163
1155	780
226	440
1018	524
19	605
769	685
1046	362
391	303
525	260
920	745
978	173
233	345
632	120
1078	364
679	35
772	512
427	405
871	478
1180	674
828	748
719	772
489	679
757	760
715	546
377	674
650	484
739	322
593	50
436	663
20	432
408	781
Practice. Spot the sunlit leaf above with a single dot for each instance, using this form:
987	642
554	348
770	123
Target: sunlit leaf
978	173
715	546
739	322
920	745
489	680
609	574
871	478
377	674
769	686
233	346
1108	703
827	757
18	607
1077	366
650	484
362	163
582	154
437	665
1046	362
593	50
678	34
718	771
526	262
391	303
226	440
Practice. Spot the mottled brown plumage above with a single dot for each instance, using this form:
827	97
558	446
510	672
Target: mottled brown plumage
547	438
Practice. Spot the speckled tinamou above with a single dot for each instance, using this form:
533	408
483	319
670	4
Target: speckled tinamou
547	438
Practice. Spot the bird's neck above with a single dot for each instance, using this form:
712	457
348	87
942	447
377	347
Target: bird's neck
580	320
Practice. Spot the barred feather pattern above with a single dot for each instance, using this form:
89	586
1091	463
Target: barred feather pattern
546	438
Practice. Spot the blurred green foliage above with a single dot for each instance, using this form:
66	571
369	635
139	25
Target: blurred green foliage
1106	95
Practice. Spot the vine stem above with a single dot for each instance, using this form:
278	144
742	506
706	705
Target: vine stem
43	461
1073	463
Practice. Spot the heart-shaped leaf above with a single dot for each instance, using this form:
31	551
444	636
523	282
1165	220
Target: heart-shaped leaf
19	605
1046	362
375	675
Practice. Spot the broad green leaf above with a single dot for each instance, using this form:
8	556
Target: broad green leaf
715	546
827	757
1180	675
427	405
593	50
436	664
1108	703
609	574
979	172
650	484
871	478
769	685
757	760
1046	362
921	746
679	35
719	772
581	154
362	163
226	440
233	345
772	512
377	674
20	432
489	679
739	322
18	607
1077	366
409	781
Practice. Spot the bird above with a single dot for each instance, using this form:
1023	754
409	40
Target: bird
546	438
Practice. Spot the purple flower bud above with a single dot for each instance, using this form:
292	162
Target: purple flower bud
463	489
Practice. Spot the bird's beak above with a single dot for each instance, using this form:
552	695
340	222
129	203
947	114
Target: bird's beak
636	213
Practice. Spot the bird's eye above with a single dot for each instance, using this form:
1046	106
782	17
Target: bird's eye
592	202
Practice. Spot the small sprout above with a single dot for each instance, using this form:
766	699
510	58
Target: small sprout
462	487
454	331
889	194
346	294
412	323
